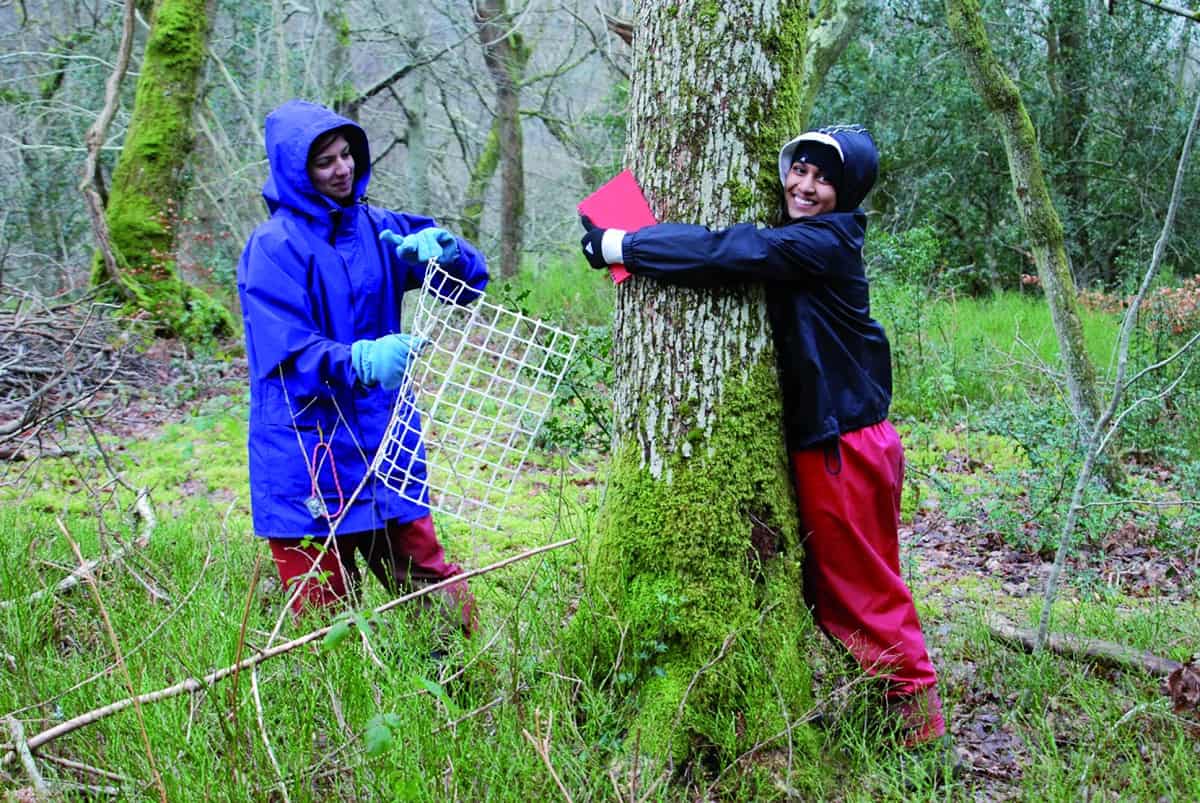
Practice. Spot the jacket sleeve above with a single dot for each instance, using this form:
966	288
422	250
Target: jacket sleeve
281	328
802	251
470	267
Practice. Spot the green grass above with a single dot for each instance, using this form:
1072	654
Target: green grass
379	724
955	354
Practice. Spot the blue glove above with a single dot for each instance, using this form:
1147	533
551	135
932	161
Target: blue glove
421	246
384	361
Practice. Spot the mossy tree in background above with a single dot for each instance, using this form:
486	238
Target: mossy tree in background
1042	224
694	611
148	181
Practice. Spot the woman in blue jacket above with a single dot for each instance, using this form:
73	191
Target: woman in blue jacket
835	374
320	284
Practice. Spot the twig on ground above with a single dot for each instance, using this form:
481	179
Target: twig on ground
22	749
541	745
262	730
89	769
157	594
116	645
1105	652
147	639
87	568
469	715
90	790
196	684
365	636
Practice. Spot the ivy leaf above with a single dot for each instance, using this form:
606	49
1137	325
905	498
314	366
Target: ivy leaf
438	692
336	635
378	737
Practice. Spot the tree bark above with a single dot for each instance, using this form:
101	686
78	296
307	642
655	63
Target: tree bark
481	176
695	611
832	28
1038	216
148	181
506	55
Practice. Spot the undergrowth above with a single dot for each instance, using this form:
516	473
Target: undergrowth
391	714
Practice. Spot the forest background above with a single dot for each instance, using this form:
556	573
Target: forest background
123	430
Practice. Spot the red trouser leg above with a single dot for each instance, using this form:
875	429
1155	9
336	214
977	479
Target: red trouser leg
407	555
849	502
325	570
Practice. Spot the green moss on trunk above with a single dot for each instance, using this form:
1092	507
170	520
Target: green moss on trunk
694	610
1043	227
693	615
148	181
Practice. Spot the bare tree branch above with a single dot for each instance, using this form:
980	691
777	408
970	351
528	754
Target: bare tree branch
1194	16
91	187
1105	652
1106	425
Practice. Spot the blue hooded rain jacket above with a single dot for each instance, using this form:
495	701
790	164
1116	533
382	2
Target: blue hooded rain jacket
313	279
834	359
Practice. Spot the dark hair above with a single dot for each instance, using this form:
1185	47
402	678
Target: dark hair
329	136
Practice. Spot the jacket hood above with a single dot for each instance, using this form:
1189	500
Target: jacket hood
290	132
860	161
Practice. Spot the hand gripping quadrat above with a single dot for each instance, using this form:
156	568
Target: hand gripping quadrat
483	386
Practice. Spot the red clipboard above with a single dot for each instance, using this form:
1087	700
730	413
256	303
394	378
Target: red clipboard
618	204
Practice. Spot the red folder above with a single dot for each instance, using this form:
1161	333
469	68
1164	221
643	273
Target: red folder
618	204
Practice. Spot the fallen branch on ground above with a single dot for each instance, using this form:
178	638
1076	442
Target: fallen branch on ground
145	512
21	748
1104	652
198	684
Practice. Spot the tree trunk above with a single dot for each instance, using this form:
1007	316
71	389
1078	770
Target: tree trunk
1068	67
336	67
506	55
1040	220
831	29
481	175
416	106
695	612
148	183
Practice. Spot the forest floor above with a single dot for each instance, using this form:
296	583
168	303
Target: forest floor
956	571
947	561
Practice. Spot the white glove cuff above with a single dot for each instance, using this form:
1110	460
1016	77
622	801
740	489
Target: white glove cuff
610	246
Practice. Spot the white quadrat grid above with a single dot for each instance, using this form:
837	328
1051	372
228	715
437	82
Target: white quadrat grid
483	383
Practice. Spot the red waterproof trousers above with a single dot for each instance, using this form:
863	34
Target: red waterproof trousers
401	556
849	499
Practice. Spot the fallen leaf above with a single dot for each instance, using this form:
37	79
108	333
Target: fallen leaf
1183	687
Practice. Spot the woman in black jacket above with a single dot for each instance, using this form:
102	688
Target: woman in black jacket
835	373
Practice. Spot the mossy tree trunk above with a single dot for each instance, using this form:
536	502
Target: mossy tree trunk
148	181
1038	216
694	611
477	184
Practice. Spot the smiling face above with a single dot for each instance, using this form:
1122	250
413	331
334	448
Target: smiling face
808	192
331	169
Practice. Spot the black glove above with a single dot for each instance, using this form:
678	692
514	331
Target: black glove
591	243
